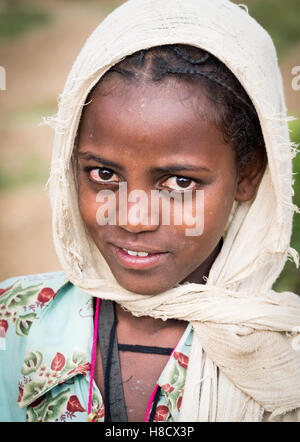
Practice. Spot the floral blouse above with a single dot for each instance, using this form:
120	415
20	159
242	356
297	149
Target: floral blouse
46	335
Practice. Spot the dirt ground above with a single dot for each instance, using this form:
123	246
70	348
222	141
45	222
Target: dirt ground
36	67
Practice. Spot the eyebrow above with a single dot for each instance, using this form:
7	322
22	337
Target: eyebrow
180	168
165	169
102	161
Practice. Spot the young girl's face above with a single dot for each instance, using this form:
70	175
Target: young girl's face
154	137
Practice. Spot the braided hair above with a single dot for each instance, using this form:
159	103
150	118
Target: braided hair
229	105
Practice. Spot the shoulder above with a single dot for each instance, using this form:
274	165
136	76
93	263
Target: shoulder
46	279
21	298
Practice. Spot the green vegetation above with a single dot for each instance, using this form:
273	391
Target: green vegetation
106	6
279	18
33	170
16	18
24	115
289	279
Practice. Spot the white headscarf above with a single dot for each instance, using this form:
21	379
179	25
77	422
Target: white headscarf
244	363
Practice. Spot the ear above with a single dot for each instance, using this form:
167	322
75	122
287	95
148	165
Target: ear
249	178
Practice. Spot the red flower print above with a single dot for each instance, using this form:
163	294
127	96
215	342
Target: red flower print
2	291
168	388
161	413
37	401
178	404
21	389
74	405
82	369
58	362
101	412
3	328
182	359
45	295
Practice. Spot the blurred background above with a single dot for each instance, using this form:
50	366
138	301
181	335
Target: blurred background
39	41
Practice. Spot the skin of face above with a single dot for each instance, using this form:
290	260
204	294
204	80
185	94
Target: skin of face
156	136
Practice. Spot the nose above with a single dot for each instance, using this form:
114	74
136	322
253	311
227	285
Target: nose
137	214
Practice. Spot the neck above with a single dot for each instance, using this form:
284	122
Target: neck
199	275
148	331
129	324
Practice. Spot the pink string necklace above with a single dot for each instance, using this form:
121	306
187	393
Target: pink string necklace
93	416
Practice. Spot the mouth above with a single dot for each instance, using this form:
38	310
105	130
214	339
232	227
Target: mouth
138	257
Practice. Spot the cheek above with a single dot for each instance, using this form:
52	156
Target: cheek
210	220
87	204
218	205
96	209
206	214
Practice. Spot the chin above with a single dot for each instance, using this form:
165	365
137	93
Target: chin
144	289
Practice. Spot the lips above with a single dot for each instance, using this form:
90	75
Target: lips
135	253
138	257
133	247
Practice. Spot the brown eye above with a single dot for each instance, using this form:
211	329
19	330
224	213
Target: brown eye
183	182
101	175
180	183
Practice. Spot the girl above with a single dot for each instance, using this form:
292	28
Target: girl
148	321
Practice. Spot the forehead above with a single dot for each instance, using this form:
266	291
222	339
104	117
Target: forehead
149	121
117	104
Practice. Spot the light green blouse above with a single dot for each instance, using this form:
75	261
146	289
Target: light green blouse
46	336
